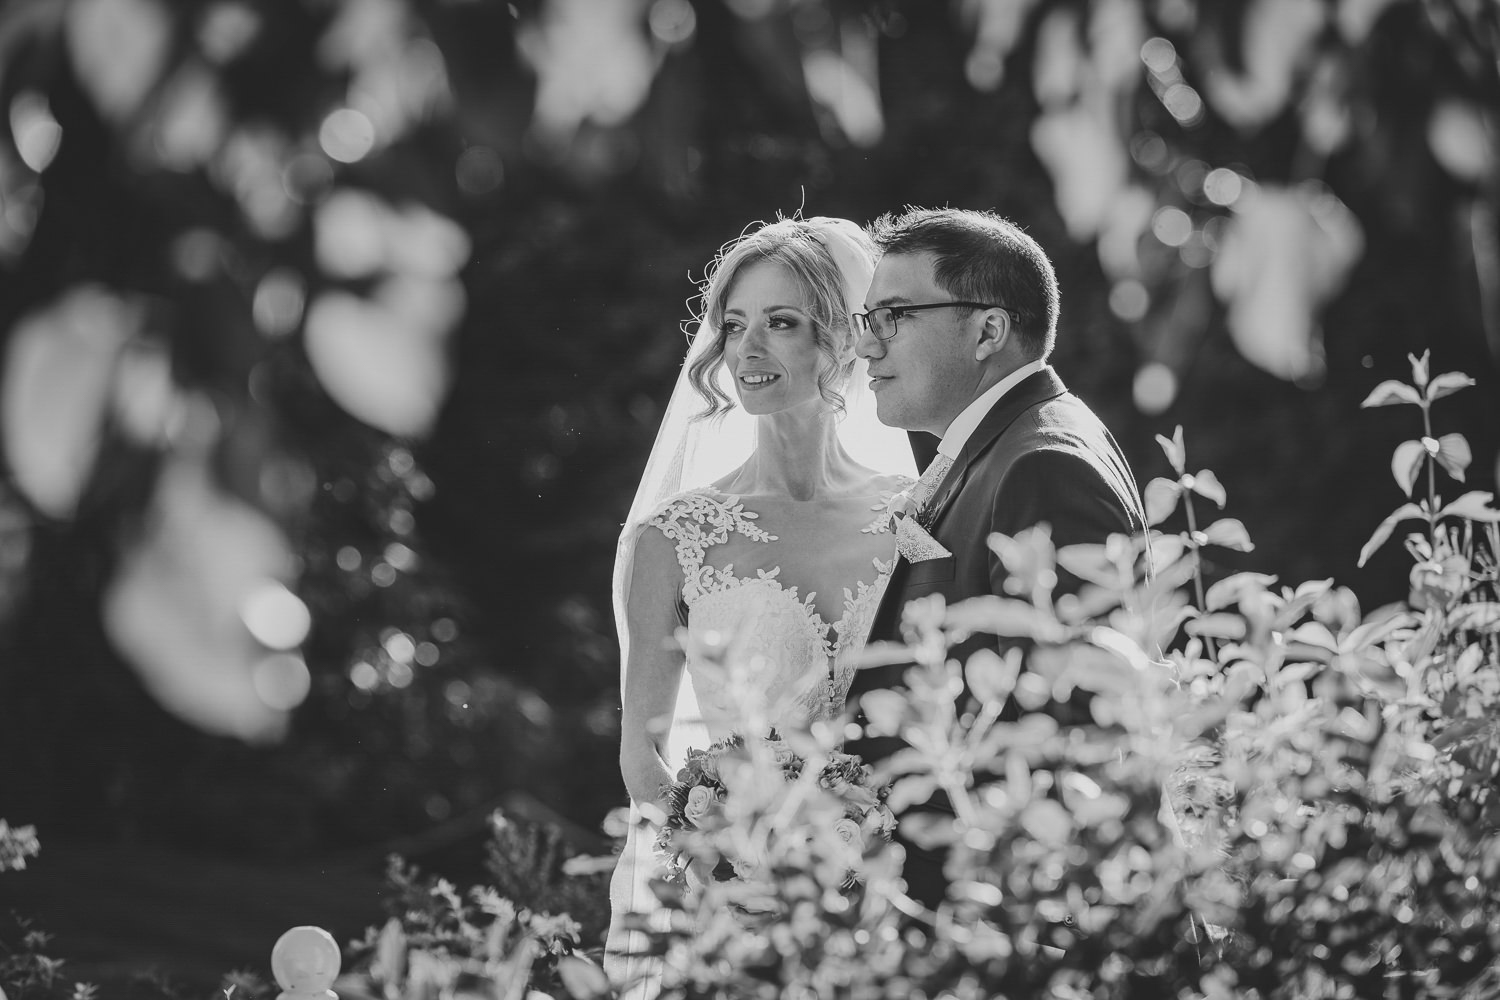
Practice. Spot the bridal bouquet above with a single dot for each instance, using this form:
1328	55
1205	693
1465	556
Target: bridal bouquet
730	790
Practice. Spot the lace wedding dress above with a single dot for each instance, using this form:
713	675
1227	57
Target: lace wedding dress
755	597
777	598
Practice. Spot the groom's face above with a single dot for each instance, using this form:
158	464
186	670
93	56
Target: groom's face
927	373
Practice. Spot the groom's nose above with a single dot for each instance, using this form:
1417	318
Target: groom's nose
866	344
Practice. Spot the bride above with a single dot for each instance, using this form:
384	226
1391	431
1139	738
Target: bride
759	527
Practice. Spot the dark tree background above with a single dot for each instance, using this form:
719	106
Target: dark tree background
336	333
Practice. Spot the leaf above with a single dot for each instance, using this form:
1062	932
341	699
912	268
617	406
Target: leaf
1305	596
1468	663
118	49
1390	393
1310	590
1376	628
1047	822
1230	533
1000	616
1121	645
1454	455
885	710
1483	616
1293	673
1166	549
1459	731
58	368
1161	499
1314	634
1089	803
388	965
1447	384
1232	589
1164	629
584	865
385	360
1406	463
1384	529
172	609
1474	506
1175	449
583	979
992	678
1206	484
1222	625
1090	561
929	831
1104	668
1419	369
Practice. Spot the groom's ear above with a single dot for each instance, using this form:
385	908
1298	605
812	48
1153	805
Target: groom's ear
994	335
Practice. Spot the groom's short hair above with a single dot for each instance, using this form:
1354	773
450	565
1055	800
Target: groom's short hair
979	256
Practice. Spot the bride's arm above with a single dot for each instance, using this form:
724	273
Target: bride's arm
653	667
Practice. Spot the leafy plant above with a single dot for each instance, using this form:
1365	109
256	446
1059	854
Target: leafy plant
16	845
1270	794
439	941
1428	453
1331	775
531	865
27	972
786	916
1447	662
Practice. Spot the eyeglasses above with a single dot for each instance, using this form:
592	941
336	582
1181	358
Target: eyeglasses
882	322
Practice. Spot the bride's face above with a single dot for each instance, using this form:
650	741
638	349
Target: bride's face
770	345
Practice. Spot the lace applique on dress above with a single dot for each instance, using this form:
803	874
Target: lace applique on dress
698	520
859	615
804	664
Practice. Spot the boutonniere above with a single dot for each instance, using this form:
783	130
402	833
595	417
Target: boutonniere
901	506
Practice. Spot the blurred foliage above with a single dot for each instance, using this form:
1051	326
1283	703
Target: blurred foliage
375	302
1296	800
16	845
27	972
530	864
441	942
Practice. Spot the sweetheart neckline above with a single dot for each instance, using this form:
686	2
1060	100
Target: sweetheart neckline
830	633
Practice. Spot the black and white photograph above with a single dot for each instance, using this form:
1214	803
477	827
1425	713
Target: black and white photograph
749	499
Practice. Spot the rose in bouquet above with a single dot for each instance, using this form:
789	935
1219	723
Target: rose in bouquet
699	802
867	819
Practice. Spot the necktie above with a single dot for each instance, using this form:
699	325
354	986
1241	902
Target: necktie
931	479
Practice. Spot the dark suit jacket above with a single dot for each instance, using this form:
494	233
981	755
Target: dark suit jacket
1040	455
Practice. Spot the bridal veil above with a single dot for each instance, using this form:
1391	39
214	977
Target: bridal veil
692	451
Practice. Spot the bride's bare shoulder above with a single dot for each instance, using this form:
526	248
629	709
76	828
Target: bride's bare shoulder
888	482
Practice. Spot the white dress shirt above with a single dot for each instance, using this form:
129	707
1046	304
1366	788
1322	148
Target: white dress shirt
957	434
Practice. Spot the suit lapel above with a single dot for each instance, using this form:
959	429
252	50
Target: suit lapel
1032	390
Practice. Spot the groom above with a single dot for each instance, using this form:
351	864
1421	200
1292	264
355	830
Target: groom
962	315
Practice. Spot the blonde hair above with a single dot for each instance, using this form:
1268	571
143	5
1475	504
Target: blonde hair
798	246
